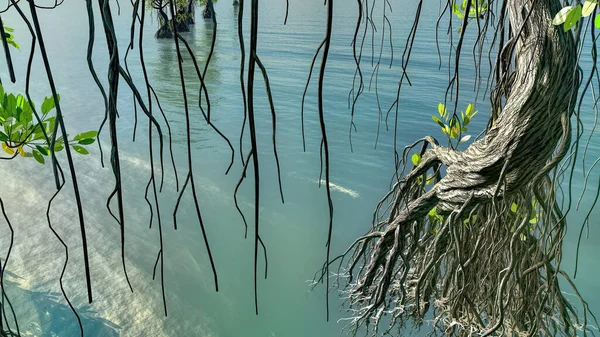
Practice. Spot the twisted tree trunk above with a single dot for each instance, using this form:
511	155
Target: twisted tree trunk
484	268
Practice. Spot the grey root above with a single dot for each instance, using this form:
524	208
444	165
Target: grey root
485	270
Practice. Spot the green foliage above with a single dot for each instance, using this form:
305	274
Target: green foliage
569	16
435	220
534	215
416	159
10	39
454	126
477	10
21	133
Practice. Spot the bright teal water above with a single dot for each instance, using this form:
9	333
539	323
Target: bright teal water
294	233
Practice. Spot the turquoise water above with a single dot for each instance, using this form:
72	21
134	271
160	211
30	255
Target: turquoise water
295	232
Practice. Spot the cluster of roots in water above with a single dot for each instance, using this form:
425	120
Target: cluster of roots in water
488	269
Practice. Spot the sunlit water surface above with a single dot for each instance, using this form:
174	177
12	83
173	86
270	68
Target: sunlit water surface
295	232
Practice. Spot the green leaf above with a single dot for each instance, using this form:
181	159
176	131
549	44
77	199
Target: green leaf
466	121
58	147
86	135
39	134
453	122
470	110
80	149
11	104
432	212
561	16
3	137
457	11
47	105
416	159
14	44
87	141
514	208
572	18
588	8
38	156
439	121
20	101
42	150
442	109
8	29
597	21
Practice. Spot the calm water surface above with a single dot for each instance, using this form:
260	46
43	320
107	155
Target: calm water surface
295	232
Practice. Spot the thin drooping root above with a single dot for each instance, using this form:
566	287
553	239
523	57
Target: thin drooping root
479	252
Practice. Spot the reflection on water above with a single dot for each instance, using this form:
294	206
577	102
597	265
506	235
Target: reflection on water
52	313
164	70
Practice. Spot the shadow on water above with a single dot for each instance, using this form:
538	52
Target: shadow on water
46	314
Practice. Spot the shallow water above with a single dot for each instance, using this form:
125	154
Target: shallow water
295	232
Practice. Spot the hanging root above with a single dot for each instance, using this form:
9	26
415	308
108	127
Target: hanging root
478	250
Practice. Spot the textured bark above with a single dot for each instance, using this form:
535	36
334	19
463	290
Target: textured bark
403	267
522	140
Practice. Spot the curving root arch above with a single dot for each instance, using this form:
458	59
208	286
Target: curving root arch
484	269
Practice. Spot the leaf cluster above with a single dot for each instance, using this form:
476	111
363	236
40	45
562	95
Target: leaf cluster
10	38
570	15
454	126
21	133
477	10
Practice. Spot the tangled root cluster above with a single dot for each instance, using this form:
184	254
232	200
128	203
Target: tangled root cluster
487	269
479	252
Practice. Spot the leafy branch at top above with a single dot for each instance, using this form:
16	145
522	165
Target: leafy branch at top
477	10
570	15
21	133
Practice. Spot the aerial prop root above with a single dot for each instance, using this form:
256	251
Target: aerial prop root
486	260
480	247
